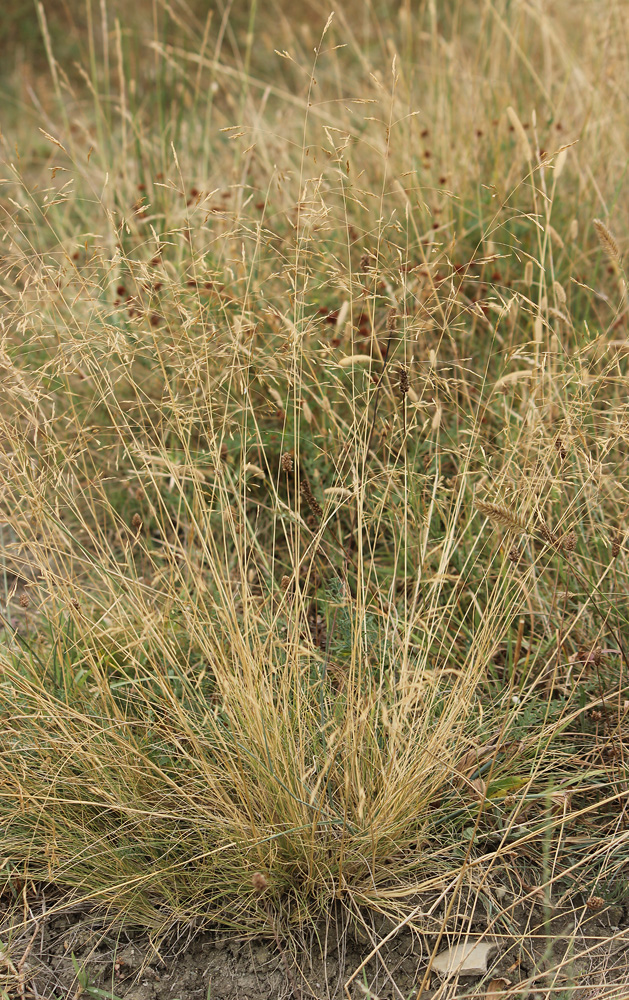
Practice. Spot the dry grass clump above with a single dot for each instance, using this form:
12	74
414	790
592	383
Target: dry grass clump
279	332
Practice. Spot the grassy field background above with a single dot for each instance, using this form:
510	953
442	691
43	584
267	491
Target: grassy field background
313	464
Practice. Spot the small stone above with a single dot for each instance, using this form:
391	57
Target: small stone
465	959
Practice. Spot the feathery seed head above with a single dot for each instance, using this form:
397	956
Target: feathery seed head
502	516
607	241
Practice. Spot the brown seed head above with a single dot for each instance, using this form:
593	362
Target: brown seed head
570	541
616	545
549	535
404	386
595	903
286	462
259	882
310	499
23	600
285	582
391	320
514	555
136	521
559	445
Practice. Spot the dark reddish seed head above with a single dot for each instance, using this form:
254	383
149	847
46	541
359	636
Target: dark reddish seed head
425	132
121	290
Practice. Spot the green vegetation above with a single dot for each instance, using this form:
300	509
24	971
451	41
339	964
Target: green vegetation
313	462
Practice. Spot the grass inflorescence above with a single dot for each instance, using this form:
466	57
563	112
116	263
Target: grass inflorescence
313	466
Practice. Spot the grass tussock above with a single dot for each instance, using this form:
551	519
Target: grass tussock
313	466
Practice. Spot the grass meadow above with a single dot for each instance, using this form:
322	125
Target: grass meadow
314	589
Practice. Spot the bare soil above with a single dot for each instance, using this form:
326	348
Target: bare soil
576	955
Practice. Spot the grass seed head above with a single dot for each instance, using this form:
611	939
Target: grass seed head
514	555
287	462
561	449
607	241
548	535
310	498
502	516
595	903
570	541
259	882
